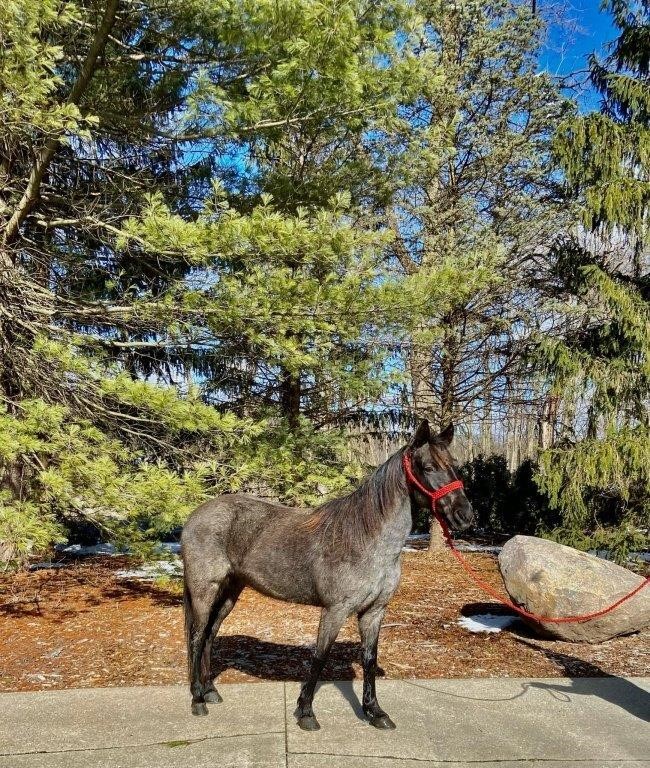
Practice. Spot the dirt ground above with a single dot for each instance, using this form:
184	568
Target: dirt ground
82	626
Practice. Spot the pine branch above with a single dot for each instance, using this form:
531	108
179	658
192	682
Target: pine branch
44	156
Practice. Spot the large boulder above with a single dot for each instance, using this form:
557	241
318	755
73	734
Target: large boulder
553	580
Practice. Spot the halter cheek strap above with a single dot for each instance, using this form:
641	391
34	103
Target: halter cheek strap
432	495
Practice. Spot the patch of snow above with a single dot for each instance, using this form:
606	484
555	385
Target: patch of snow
463	546
80	550
493	550
487	622
605	554
152	571
170	546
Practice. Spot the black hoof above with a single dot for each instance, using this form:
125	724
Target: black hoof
383	722
212	697
309	723
199	708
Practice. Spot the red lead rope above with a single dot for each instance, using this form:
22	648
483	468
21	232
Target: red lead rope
433	497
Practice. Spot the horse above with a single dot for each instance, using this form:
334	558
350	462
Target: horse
343	557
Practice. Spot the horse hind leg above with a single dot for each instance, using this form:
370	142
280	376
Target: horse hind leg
201	599
220	611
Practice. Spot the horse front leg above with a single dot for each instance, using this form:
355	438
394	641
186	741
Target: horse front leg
331	621
369	626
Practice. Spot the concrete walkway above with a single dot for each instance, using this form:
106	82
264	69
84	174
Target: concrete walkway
504	723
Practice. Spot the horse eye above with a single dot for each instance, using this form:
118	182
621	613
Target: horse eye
428	468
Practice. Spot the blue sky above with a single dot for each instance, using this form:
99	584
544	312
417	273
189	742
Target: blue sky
582	29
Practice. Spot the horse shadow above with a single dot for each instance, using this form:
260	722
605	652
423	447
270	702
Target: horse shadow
289	663
617	690
280	661
578	672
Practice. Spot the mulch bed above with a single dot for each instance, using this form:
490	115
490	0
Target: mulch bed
82	626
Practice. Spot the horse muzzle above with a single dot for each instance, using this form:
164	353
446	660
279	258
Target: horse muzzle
460	516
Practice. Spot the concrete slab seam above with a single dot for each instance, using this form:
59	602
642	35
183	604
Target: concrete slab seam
286	727
172	744
490	761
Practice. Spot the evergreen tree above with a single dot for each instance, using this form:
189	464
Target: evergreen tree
603	360
474	194
182	274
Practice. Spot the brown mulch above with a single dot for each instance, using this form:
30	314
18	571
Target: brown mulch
82	626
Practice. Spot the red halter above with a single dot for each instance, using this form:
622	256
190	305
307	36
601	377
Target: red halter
432	495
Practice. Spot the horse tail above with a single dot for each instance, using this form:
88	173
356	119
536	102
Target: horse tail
188	611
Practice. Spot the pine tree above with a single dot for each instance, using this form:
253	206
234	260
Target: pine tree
474	195
185	287
599	477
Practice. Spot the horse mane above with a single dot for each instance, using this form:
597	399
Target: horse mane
357	517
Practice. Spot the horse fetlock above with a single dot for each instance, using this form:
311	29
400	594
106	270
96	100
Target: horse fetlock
371	708
304	706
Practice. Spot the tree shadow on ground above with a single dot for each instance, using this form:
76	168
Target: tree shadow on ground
85	583
43	601
129	588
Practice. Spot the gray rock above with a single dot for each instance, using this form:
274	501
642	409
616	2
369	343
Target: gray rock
553	580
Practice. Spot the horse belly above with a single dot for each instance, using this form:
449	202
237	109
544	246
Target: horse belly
283	574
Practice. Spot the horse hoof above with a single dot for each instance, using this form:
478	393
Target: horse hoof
309	723
199	708
212	697
383	722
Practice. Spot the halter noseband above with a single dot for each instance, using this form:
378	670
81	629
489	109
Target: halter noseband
432	495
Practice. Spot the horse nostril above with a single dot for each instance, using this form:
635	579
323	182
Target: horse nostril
463	517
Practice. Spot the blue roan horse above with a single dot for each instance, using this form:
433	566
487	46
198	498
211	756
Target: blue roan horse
343	557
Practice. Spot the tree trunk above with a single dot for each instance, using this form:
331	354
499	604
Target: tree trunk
290	399
436	536
447	409
421	364
10	301
448	365
547	421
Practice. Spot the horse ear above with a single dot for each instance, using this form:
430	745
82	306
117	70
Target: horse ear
422	435
447	435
